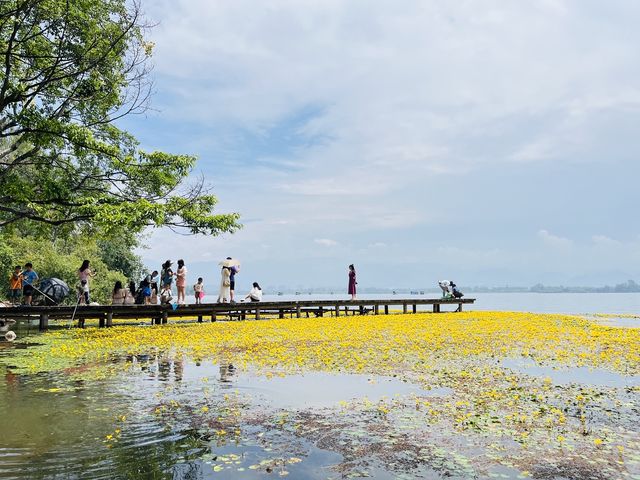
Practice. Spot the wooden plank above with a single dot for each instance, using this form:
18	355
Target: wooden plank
161	312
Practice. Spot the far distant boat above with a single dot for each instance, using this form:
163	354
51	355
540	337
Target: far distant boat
414	293
394	292
421	292
279	294
297	293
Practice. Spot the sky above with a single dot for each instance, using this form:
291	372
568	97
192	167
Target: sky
490	142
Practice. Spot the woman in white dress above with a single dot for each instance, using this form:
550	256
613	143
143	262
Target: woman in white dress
225	285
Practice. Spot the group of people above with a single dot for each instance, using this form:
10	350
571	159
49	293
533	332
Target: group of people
230	268
22	283
157	286
154	287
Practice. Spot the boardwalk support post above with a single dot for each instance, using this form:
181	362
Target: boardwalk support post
109	319
257	314
386	309
298	310
44	322
404	308
165	317
415	308
101	321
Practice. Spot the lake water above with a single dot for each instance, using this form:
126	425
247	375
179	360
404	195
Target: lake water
614	303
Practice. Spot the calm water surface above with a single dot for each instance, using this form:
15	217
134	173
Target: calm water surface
621	303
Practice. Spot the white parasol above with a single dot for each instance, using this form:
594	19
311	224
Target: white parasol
229	262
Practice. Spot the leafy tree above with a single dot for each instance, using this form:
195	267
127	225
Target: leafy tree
68	70
59	258
118	255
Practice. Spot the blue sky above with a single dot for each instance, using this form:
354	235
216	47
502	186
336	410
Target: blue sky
491	142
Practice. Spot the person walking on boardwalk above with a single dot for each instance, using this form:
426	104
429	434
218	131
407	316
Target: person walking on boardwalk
29	279
198	290
181	281
225	285
352	282
84	274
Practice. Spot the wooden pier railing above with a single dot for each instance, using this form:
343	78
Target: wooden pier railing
105	314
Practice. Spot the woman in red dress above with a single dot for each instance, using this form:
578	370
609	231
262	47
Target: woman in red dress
352	282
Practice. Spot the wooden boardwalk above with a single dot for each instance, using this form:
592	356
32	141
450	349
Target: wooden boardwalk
158	314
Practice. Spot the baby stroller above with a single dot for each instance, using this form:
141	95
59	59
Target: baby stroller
449	289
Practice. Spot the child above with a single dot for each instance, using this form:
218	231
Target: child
165	295
15	285
198	289
83	292
154	293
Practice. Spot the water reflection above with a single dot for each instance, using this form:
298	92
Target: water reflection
168	417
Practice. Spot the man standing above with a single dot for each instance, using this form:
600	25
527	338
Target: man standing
29	279
233	269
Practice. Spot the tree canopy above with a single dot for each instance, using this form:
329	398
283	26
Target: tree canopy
68	71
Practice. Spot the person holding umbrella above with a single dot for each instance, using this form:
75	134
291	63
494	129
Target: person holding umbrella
230	267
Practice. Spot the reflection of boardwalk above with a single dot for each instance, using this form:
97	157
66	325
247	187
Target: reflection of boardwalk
231	311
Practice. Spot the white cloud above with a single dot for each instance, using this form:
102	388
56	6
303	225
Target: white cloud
603	240
554	240
326	242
